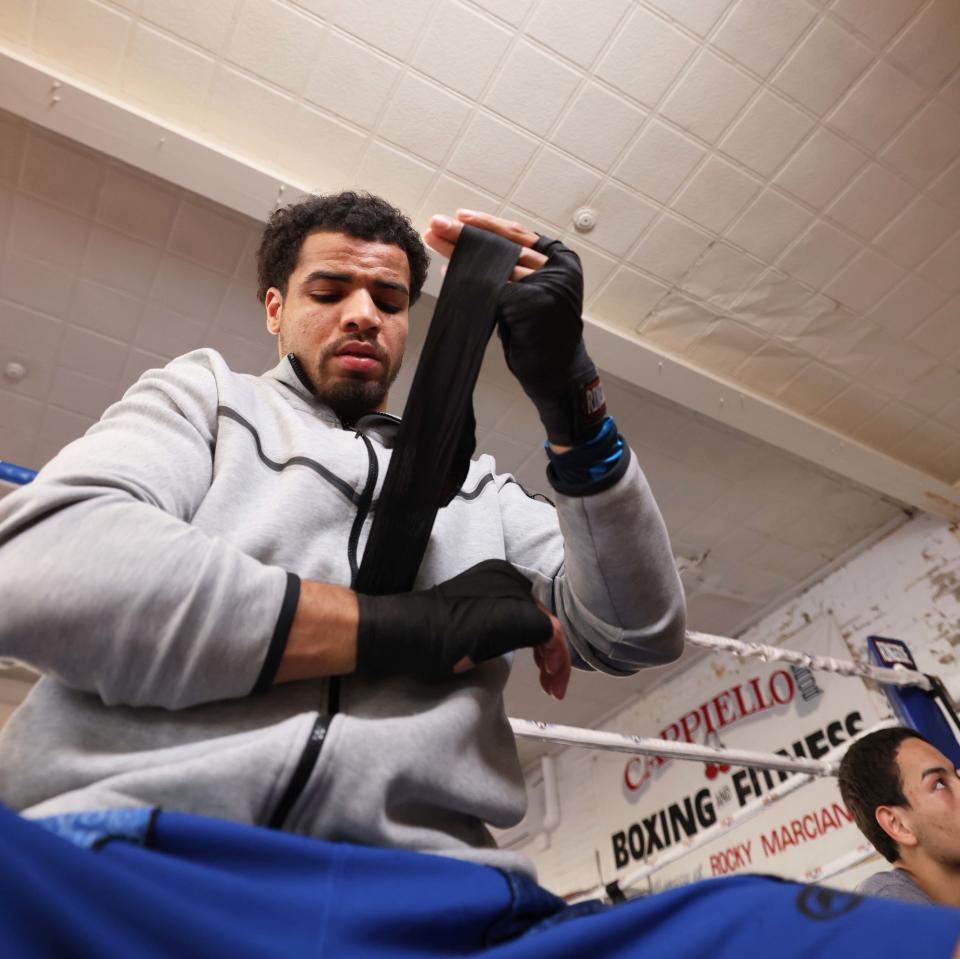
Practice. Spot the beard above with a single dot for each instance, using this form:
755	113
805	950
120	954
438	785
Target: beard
353	396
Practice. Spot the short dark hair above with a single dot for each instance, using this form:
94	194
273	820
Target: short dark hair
360	215
869	778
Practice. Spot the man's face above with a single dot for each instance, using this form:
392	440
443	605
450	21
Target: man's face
932	788
345	316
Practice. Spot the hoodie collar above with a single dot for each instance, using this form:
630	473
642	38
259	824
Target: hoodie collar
289	374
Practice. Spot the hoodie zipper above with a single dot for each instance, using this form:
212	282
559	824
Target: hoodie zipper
318	734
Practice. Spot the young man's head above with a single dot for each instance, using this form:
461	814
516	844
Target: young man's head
904	796
337	276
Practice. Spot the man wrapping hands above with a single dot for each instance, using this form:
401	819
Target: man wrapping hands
183	573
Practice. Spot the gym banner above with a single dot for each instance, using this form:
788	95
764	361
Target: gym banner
648	805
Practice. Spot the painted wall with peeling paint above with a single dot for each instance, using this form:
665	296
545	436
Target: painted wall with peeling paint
905	586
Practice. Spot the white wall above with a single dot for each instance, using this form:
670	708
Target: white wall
906	586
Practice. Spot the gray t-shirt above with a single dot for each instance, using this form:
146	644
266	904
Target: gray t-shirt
894	884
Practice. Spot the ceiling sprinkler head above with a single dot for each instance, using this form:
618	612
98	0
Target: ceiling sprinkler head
585	219
15	371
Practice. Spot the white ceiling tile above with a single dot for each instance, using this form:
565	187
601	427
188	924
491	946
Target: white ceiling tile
13	136
818	254
646	57
85	395
61	173
709	95
699	16
856	353
670	248
927	145
464	67
888	426
659	161
773	365
389	172
23	411
917	232
92	354
82	35
721	276
30	338
947	467
275	42
723	348
941	268
16	19
325	151
823	66
167	76
596	266
492	153
715	194
138	205
864	280
104	310
574	29
877	20
877	106
768	225
170	334
897	370
674	324
209	235
621	218
555	186
947	187
205	24
721	615
187	287
851	408
36	284
513	11
598	126
928	48
241	313
532	88
925	445
393	27
758	33
423	118
626	299
490	402
47	233
812	388
906	306
939	334
245	114
350	80
449	195
778	304
118	261
874	196
820	168
934	391
767	133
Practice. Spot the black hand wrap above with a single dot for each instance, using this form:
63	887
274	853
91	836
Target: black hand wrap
538	320
484	612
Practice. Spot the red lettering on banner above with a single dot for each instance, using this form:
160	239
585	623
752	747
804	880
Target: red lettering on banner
811	826
724	713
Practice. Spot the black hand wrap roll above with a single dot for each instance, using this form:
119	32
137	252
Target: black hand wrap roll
539	322
436	438
481	613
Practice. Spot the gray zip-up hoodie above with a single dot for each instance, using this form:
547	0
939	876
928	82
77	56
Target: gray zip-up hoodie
151	572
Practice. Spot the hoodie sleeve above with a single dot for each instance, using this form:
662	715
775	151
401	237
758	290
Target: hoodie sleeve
604	565
106	586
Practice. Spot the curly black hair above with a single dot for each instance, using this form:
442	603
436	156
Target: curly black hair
869	777
360	215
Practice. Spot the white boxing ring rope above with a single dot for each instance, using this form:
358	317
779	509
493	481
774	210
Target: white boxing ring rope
843	667
807	770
